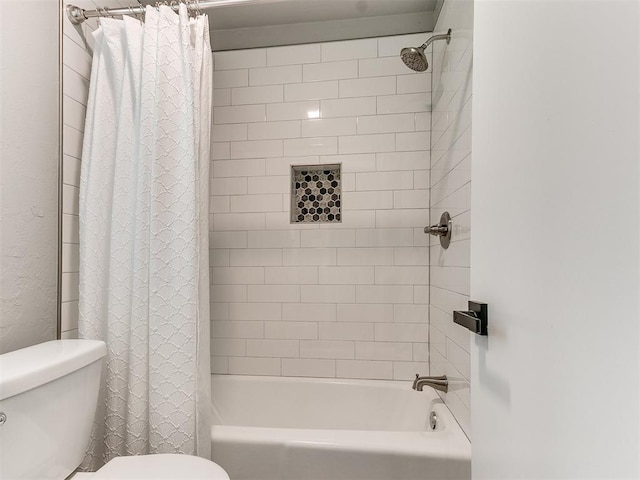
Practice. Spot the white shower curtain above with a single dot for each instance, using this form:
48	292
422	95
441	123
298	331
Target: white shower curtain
144	283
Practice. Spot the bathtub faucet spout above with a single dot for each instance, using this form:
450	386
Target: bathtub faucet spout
439	382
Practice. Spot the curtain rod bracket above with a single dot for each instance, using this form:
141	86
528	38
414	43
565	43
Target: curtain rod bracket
75	14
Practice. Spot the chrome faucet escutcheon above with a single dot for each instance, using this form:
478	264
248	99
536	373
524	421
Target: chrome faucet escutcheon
443	230
439	382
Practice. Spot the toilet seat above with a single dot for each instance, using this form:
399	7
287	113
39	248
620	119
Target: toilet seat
160	466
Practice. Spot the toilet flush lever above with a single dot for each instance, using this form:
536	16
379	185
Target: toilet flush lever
442	230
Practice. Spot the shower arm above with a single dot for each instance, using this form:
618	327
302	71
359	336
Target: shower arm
441	36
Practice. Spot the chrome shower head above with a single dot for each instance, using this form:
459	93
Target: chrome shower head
414	57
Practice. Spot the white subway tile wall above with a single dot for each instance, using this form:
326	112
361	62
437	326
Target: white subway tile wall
346	299
274	285
450	184
77	51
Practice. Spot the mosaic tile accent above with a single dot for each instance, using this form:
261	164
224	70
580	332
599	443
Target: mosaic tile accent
315	194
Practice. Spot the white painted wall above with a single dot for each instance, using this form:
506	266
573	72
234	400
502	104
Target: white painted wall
29	175
451	191
330	300
555	239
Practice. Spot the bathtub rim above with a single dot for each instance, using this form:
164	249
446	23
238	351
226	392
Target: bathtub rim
448	440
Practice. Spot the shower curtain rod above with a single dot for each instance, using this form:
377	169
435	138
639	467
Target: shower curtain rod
78	15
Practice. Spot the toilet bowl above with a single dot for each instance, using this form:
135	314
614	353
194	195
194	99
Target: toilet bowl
49	392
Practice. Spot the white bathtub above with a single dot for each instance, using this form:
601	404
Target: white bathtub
324	429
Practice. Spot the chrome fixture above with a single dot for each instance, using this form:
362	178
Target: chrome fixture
433	420
439	382
78	15
414	58
3	418
443	230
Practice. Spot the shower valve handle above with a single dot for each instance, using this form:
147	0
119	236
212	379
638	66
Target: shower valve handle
438	230
442	230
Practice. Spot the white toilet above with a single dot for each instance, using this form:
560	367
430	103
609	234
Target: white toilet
48	397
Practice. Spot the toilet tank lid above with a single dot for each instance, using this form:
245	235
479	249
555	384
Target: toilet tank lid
30	367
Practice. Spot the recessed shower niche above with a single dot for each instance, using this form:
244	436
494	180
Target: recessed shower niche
316	194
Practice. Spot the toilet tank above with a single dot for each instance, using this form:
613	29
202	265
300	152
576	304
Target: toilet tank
48	395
